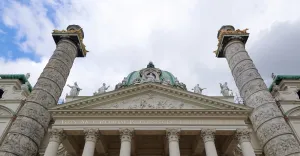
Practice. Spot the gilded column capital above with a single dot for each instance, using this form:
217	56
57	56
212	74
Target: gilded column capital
173	134
91	134
57	135
126	134
208	134
243	135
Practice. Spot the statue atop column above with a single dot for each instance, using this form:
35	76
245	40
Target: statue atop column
74	89
197	89
102	89
224	89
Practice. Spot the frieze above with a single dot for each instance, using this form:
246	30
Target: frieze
55	76
282	145
59	66
243	66
64	57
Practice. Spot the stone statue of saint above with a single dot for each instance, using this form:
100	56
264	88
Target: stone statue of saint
27	76
102	89
74	89
197	89
224	89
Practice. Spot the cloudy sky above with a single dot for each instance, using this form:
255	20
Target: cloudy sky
122	36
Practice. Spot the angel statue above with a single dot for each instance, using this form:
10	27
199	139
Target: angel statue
224	89
102	89
197	89
74	89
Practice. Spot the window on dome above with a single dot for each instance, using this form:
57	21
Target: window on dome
298	93
1	93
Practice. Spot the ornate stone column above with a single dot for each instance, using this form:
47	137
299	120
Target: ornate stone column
125	136
56	137
28	130
208	136
274	134
91	137
173	137
243	137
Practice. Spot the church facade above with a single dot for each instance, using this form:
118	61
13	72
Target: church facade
151	113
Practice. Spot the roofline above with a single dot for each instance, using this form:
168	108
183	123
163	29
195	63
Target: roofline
20	77
279	78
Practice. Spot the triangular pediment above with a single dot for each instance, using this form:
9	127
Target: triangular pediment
150	96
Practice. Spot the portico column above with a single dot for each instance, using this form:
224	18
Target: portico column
125	136
173	137
56	137
243	137
91	137
208	136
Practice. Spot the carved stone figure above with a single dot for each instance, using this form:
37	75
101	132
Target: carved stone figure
74	89
197	89
27	76
24	87
103	89
124	81
165	82
119	85
224	89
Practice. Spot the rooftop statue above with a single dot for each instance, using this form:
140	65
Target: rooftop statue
224	89
74	89
102	89
25	86
197	89
27	76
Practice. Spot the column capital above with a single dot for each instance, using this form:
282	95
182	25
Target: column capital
243	135
208	134
126	134
91	134
173	134
57	135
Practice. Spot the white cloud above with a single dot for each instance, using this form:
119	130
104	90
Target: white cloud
122	36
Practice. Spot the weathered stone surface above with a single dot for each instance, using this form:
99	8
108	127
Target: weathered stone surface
49	86
252	87
29	128
247	76
68	47
63	57
283	145
263	113
55	76
258	98
42	97
59	66
37	112
6	154
271	129
19	145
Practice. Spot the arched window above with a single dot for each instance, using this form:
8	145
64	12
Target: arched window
298	94
1	93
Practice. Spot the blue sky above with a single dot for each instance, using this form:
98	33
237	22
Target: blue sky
123	36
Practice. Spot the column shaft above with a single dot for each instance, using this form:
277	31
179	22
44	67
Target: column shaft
274	134
56	137
173	137
243	137
208	136
28	130
91	137
125	136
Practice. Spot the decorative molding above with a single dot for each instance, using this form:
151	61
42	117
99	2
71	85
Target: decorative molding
57	135
208	134
160	89
91	134
243	135
126	134
173	134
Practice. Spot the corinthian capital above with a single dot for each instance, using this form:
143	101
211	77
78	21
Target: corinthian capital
126	134
208	134
243	135
91	134
173	134
57	135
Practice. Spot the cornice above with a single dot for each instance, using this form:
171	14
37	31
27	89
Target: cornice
133	90
151	113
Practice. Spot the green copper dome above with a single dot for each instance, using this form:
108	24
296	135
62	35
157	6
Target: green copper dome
151	75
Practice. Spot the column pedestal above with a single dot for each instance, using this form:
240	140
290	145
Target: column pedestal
91	137
173	138
243	137
125	136
208	136
56	137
